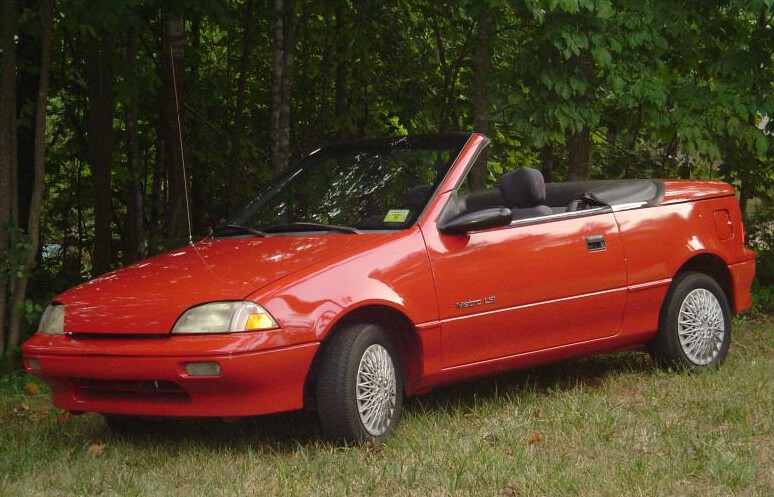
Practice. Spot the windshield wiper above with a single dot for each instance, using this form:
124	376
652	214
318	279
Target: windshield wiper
304	226
224	228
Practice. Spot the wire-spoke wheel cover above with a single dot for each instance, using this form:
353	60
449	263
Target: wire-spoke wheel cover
701	326
376	390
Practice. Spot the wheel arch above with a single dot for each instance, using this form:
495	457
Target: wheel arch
397	324
715	267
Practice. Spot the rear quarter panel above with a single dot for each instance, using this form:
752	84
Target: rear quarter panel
658	241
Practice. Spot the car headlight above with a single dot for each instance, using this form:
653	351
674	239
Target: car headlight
52	321
224	317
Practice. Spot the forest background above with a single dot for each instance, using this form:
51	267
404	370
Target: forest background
91	170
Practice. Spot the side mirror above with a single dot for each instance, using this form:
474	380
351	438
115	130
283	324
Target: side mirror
478	220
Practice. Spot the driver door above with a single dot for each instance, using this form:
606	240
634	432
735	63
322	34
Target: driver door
533	285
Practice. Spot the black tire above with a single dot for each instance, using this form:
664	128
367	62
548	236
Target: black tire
337	391
694	326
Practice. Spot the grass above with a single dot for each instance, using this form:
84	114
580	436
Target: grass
603	426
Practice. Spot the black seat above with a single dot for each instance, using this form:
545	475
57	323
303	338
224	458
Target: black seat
416	197
524	192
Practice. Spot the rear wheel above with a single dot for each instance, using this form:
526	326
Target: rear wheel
359	385
695	326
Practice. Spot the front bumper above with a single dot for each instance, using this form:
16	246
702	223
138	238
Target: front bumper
147	376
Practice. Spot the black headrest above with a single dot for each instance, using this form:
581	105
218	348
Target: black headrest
417	196
523	187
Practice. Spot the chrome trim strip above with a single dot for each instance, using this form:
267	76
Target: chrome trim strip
533	304
629	206
650	284
630	288
559	216
495	360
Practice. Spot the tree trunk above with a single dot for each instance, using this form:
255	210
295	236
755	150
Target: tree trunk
547	163
444	67
276	84
286	86
323	125
172	97
99	82
340	106
482	65
198	171
156	200
284	41
7	142
28	53
134	246
236	169
579	146
669	158
36	203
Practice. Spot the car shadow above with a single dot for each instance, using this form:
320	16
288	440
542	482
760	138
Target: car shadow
585	372
284	432
289	432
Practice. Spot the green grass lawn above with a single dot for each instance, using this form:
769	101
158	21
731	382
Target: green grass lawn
609	425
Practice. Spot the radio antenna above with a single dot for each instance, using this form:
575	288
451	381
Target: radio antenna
182	152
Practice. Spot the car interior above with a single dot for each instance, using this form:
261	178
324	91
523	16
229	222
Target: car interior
528	196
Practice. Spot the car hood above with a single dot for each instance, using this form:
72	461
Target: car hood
148	297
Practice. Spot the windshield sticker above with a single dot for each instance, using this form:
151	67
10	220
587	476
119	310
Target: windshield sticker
396	216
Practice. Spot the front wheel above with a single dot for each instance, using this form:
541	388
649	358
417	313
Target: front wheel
695	326
359	385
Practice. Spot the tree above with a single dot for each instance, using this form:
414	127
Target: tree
173	46
586	88
36	204
482	66
99	82
7	152
235	160
134	226
284	41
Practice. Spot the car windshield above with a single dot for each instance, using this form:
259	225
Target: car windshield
365	185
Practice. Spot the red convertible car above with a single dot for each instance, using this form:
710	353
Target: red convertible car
373	270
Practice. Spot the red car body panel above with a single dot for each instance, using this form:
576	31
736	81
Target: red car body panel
146	298
678	191
147	377
530	311
474	304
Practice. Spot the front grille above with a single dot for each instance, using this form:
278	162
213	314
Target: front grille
148	390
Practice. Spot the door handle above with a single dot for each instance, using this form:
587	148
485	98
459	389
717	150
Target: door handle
595	243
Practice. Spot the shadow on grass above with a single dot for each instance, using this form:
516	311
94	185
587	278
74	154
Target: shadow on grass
282	432
585	372
287	432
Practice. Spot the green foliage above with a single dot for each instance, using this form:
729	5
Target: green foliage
763	299
760	237
31	311
13	260
665	88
